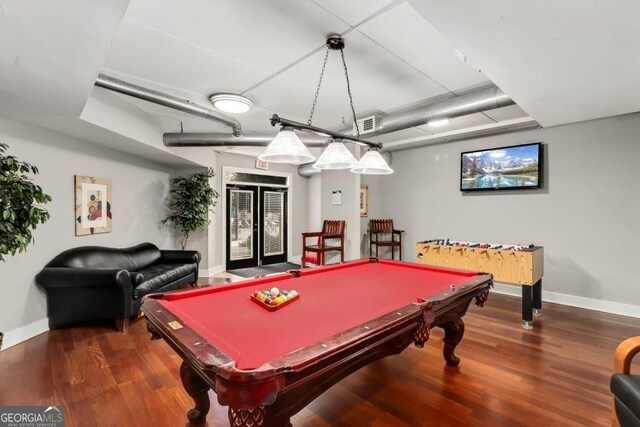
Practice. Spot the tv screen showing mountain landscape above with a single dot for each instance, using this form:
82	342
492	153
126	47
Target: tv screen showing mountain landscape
501	168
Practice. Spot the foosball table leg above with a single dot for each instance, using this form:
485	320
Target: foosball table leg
527	307
537	299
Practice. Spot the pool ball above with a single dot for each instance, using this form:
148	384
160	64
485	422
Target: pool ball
294	292
274	292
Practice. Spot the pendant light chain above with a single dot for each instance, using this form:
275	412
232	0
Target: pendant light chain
346	74
353	111
315	98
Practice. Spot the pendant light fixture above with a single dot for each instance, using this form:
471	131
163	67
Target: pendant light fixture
287	147
372	163
336	155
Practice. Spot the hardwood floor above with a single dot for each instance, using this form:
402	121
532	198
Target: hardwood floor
554	375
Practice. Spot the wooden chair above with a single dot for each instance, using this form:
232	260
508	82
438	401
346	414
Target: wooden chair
382	233
625	386
330	239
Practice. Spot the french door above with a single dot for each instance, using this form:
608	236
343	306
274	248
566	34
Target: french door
256	226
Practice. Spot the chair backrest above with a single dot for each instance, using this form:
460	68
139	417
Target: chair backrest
380	226
333	227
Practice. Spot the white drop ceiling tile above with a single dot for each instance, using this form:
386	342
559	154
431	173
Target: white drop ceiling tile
171	63
353	11
460	123
561	61
506	113
379	80
266	34
51	52
405	32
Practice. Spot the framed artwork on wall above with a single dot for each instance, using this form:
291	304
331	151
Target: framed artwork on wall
92	205
364	200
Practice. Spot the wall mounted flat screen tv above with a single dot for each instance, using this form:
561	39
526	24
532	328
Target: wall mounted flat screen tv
515	167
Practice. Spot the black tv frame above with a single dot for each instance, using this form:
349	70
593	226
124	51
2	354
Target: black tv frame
540	168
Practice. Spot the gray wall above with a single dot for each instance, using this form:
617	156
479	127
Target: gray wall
586	216
349	210
139	191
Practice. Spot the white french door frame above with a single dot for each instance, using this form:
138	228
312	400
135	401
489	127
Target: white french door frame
225	182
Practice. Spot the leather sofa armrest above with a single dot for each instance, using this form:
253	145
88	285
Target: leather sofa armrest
179	257
64	277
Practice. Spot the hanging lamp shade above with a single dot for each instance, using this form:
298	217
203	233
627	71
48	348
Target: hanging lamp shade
286	147
336	156
372	163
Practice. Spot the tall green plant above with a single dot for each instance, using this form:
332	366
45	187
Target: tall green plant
190	200
20	204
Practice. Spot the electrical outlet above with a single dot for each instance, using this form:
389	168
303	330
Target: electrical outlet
446	156
437	157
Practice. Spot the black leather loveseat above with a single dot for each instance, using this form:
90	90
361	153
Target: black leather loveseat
95	282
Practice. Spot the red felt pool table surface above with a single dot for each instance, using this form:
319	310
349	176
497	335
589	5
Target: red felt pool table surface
332	300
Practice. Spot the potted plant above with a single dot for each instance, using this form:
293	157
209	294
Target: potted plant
191	198
20	204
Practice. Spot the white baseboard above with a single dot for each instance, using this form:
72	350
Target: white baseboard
612	307
210	272
23	333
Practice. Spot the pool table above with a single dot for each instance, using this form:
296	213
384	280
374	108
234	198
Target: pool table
267	365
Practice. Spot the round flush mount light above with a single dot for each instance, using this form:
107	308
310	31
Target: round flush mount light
231	102
438	123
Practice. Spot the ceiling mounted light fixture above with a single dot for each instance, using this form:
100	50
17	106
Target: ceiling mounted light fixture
336	155
231	102
287	147
438	123
372	163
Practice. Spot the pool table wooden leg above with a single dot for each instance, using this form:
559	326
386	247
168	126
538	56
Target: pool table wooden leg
197	389
453	332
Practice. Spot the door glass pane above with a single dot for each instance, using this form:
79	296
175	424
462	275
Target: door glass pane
241	230
273	218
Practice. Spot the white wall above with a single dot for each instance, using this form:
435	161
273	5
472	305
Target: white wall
586	216
139	191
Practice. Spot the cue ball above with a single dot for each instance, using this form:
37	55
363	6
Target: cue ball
274	292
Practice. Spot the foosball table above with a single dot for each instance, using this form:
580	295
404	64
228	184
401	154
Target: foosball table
514	264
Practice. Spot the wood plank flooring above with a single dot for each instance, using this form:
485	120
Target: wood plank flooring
554	375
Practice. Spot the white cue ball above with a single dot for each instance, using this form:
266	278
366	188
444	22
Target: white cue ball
274	292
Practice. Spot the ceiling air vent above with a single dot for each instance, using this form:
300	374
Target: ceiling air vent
366	125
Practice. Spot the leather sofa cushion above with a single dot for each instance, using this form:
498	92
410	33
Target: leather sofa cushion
155	277
626	388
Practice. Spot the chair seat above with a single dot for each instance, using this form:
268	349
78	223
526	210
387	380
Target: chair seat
626	388
386	243
325	248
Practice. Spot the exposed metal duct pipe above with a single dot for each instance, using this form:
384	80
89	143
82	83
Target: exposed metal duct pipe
308	170
228	140
474	102
166	100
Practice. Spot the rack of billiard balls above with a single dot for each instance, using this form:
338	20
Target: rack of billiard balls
274	299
